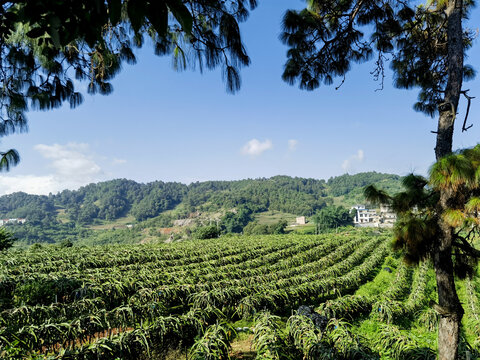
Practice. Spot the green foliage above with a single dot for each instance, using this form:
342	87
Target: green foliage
214	344
254	228
381	283
157	198
39	209
342	185
332	217
66	243
328	37
8	159
268	337
234	222
158	204
163	296
419	222
44	44
206	232
49	233
6	239
401	345
304	335
36	247
282	193
45	292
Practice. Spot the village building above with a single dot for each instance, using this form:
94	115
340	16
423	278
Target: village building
12	221
367	217
364	216
387	215
301	220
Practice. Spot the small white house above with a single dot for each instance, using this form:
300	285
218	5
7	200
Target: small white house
301	220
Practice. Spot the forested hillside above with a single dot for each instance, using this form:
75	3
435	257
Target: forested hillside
344	184
116	198
70	211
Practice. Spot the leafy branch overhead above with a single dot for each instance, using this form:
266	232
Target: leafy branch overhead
326	38
417	227
45	45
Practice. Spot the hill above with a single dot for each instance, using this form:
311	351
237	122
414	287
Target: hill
118	203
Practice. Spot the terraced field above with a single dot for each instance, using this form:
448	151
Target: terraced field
144	301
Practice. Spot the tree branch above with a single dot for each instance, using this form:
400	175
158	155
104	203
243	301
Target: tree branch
469	99
465	246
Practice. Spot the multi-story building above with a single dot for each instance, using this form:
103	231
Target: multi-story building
387	215
366	217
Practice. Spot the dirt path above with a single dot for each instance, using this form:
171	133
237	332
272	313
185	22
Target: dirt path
243	349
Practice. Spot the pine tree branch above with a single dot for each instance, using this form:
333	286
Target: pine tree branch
469	99
465	246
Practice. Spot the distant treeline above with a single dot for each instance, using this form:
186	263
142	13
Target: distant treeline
117	198
344	184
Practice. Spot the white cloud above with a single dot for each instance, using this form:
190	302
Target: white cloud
255	147
39	185
71	162
357	158
292	144
118	161
72	166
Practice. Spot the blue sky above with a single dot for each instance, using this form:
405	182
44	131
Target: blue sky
160	124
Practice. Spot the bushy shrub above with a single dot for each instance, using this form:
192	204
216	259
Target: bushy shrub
254	228
206	232
66	243
6	239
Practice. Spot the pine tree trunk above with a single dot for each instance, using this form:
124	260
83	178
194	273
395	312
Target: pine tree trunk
451	309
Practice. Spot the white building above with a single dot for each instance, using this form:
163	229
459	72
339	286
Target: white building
365	217
301	220
12	221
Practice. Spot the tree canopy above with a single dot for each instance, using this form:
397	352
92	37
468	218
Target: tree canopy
113	199
326	38
417	227
45	45
332	217
426	46
6	239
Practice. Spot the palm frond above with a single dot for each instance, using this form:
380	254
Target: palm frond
415	235
414	182
473	205
452	171
408	200
376	196
454	218
474	155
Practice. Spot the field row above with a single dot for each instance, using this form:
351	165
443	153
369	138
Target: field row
91	309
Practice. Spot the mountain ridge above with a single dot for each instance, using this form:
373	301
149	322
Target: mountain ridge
110	200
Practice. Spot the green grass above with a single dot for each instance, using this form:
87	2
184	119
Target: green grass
118	223
302	229
272	217
381	282
62	215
